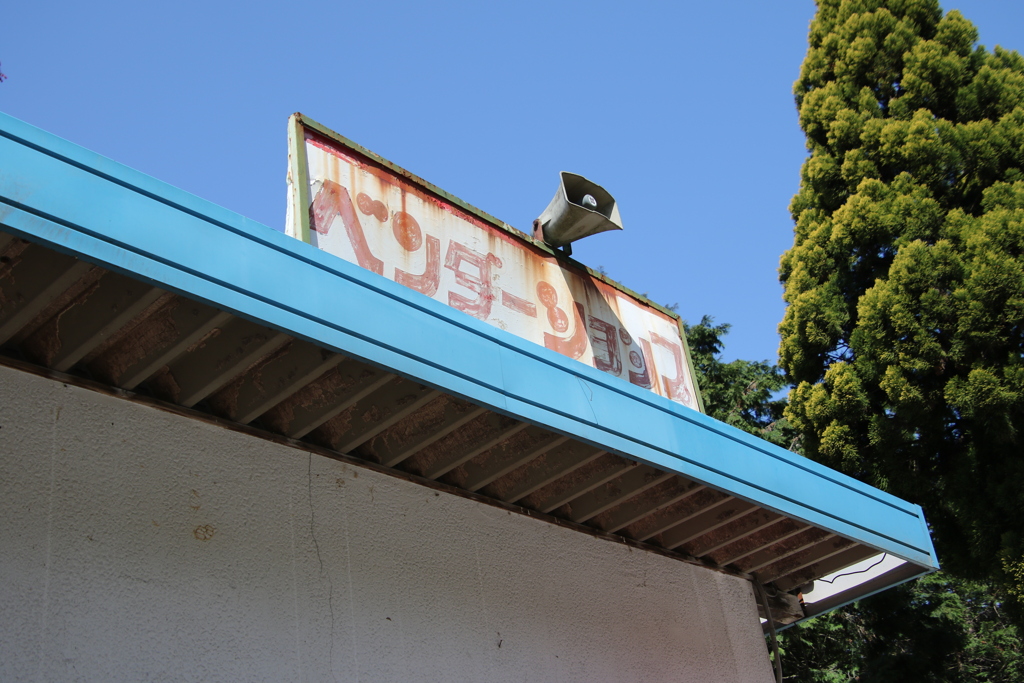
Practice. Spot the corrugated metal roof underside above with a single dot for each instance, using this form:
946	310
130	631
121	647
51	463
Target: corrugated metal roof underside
145	288
65	314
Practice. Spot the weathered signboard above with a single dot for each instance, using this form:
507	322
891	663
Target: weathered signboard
353	204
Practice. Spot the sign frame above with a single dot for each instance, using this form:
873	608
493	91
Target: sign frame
299	196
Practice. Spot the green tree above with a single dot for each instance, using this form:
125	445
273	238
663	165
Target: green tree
936	629
904	331
741	393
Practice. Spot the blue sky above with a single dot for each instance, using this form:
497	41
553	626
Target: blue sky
683	111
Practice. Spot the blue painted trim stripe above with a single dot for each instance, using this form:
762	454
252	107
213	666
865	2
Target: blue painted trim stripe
86	205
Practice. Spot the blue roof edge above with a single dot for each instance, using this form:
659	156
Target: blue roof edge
81	203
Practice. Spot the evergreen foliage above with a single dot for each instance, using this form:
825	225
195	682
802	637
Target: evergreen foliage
938	629
935	630
904	331
740	393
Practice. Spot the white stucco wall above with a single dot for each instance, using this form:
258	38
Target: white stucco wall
139	545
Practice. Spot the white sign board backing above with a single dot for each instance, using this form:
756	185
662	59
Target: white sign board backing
365	210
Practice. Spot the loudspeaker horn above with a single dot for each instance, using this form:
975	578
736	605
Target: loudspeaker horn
580	208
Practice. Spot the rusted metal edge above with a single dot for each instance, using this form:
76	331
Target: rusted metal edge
298	168
206	418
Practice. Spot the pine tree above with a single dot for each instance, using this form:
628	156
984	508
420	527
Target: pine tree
904	332
937	629
741	393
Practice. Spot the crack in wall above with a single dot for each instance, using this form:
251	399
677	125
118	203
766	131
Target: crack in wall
49	543
320	559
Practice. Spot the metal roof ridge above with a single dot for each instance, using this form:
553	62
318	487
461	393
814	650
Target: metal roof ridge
83	204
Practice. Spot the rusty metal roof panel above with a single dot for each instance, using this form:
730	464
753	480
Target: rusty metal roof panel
111	277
